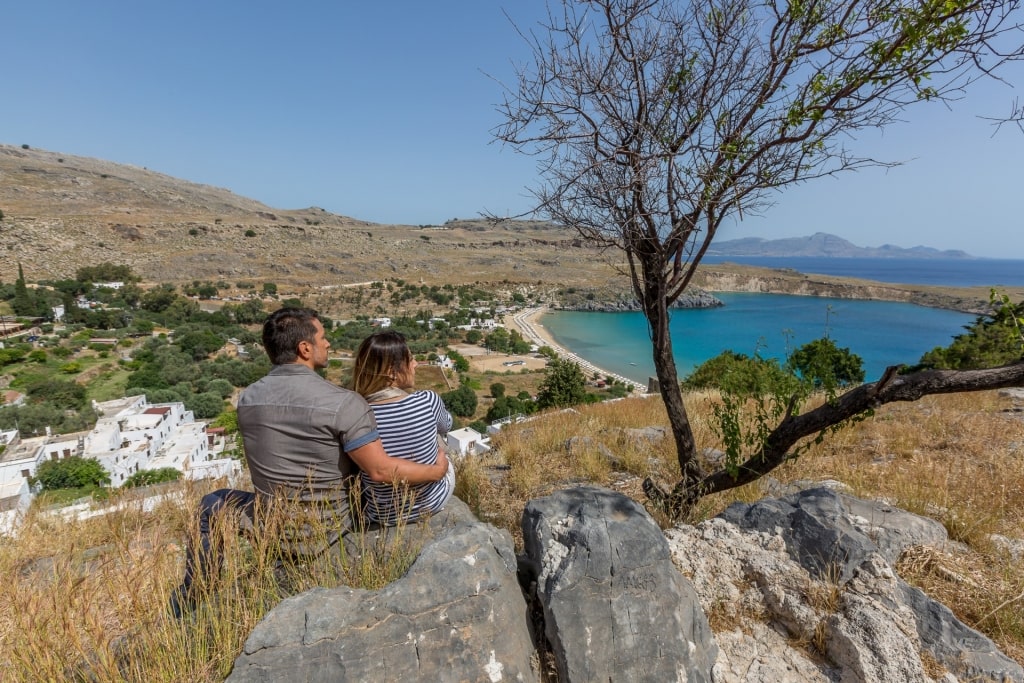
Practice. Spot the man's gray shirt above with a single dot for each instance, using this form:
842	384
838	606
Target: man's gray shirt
297	428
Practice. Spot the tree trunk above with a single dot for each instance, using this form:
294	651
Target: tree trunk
656	311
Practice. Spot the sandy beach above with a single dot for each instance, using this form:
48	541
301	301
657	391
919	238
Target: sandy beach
528	323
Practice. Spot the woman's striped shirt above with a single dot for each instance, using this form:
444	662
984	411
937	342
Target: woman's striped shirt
409	428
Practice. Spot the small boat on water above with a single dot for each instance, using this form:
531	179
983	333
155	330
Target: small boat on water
632	363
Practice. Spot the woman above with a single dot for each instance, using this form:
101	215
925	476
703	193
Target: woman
410	425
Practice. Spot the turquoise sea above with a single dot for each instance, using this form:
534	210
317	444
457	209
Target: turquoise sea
881	333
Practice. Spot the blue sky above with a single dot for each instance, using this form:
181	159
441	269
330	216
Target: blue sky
384	112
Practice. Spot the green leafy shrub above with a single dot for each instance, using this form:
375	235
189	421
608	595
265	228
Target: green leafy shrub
150	477
461	402
71	473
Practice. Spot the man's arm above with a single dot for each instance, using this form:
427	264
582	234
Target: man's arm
384	469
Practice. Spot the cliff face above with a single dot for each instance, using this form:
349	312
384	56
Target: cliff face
766	281
696	298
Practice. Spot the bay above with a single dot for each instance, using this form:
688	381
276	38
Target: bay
882	333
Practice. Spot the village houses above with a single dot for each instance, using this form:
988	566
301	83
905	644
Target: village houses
130	435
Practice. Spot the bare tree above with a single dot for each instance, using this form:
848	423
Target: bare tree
654	121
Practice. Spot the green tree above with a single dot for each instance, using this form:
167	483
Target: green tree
461	364
205	406
221	387
498	340
990	340
826	365
657	121
461	401
547	352
740	374
23	302
474	336
270	289
497	390
507	406
106	272
159	298
62	393
564	385
71	473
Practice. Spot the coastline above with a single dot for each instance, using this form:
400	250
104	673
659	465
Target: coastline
527	321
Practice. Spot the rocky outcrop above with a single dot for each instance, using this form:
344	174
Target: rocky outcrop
457	615
819	564
831	534
614	606
798	589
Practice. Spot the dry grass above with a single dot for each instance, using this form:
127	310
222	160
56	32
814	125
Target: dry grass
87	599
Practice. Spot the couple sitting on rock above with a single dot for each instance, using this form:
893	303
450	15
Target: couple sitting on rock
306	440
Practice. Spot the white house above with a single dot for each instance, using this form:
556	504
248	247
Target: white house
445	362
467	441
133	435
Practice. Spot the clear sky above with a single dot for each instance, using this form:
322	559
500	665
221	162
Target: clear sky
383	111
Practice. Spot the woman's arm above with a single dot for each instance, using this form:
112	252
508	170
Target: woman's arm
382	468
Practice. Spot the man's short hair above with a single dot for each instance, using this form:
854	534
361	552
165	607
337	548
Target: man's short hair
283	331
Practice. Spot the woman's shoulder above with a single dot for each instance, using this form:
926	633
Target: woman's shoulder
420	397
426	395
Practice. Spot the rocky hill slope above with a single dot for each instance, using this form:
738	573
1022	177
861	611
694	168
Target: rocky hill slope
61	212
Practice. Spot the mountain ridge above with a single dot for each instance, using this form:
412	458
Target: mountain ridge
824	245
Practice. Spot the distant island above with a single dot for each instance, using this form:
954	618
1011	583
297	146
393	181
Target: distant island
824	245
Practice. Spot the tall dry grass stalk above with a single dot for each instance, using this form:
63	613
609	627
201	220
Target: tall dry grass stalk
89	600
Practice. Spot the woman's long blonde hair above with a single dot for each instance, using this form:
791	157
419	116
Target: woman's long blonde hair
382	358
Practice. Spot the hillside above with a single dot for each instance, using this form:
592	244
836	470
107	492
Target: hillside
61	212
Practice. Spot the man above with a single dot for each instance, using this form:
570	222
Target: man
305	440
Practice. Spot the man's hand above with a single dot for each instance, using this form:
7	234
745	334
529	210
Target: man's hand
384	469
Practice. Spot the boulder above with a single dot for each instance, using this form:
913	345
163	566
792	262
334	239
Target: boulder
615	608
831	534
880	624
969	654
457	615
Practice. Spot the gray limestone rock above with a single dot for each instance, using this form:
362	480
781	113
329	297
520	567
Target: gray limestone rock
458	615
871	636
615	608
831	534
961	649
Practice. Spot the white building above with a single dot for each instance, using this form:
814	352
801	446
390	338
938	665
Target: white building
467	441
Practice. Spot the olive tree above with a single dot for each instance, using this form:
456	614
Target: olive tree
654	121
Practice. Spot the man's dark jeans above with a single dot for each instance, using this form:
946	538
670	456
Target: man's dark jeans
205	561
